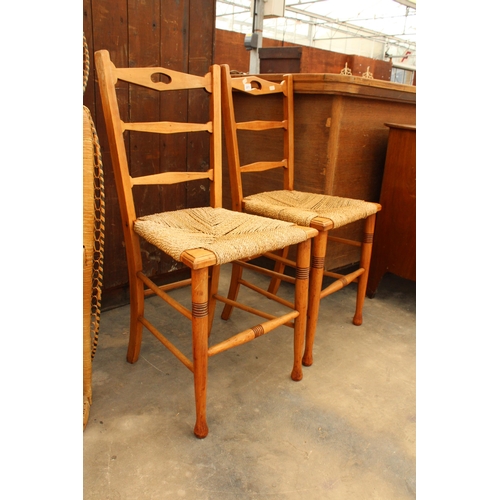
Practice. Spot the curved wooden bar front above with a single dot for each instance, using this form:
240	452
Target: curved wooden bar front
340	140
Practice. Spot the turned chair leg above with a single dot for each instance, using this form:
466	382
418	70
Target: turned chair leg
301	296
200	324
366	255
315	286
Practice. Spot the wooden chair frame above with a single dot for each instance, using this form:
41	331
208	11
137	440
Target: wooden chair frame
257	86
203	263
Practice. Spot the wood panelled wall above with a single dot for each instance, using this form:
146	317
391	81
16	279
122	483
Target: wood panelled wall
175	34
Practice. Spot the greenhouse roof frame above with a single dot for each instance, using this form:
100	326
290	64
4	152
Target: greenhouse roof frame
332	24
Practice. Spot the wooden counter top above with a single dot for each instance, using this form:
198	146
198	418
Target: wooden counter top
329	83
401	126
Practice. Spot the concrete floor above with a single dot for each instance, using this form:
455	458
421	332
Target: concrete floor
346	431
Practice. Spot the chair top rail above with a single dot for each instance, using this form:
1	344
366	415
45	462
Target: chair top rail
254	85
162	79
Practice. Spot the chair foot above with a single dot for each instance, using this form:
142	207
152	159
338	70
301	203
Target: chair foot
307	360
297	375
135	335
132	358
357	320
86	411
201	430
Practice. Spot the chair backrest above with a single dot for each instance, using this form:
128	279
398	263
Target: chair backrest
174	169
259	123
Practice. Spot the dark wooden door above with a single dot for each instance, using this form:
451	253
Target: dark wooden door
175	34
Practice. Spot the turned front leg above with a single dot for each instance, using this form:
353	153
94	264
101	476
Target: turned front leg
301	295
316	282
200	330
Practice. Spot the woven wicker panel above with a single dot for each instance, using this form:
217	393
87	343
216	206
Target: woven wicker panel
88	245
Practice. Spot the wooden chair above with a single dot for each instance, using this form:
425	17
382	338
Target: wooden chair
202	238
322	212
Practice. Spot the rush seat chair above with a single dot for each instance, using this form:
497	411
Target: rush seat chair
322	212
202	238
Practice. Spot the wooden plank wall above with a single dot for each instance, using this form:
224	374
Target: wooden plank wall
175	34
229	49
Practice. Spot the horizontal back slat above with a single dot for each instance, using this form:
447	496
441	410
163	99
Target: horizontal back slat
167	127
261	166
261	125
170	178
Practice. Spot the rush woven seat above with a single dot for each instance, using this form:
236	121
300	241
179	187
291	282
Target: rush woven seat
325	213
228	235
302	208
202	238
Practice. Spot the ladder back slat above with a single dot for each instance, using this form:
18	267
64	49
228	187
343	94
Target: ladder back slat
261	166
261	125
170	178
167	127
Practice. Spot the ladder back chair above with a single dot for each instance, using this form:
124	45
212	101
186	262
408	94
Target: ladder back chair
202	238
322	212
